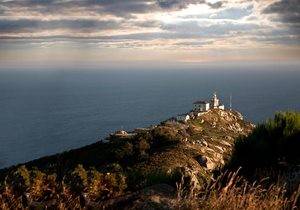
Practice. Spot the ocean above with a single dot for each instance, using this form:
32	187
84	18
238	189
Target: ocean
46	112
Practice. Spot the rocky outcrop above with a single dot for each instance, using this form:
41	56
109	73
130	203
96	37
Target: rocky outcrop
212	135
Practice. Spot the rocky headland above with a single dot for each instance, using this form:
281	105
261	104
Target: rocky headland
167	166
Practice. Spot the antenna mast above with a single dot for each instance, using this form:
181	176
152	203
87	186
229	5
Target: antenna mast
230	102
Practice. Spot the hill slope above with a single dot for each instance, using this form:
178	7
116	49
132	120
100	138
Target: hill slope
139	160
208	137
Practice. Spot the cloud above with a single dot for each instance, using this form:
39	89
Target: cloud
216	5
27	18
115	7
28	25
121	8
220	29
141	23
285	7
287	11
178	4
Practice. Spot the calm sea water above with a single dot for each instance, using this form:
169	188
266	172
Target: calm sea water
43	113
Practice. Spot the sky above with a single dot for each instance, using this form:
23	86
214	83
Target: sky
145	33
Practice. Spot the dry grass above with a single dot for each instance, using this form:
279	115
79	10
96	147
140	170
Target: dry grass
229	191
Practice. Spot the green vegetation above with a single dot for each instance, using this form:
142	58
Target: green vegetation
271	144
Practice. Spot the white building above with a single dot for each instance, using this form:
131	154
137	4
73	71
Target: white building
215	103
201	106
183	118
222	107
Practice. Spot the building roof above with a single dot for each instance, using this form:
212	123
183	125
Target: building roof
201	102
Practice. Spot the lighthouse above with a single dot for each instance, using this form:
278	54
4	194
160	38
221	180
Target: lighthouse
215	102
204	106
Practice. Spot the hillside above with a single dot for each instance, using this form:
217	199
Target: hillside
152	155
171	165
208	138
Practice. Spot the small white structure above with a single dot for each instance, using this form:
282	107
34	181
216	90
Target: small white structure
199	114
119	133
215	103
222	107
183	118
122	133
201	106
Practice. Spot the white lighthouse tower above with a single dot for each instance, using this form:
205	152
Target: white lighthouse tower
215	102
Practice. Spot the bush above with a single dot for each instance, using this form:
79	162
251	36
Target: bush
275	141
165	136
78	180
143	146
37	183
123	150
105	185
20	180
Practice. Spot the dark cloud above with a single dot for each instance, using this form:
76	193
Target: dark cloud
66	9
28	25
124	8
178	4
115	7
284	7
288	12
216	5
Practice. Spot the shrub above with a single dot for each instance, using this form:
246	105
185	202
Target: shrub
158	177
143	146
165	136
20	180
78	180
113	168
274	141
37	183
105	185
123	150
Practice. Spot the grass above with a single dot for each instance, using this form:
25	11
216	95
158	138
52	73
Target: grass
230	191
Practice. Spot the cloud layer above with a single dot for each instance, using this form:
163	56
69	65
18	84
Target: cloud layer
205	25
